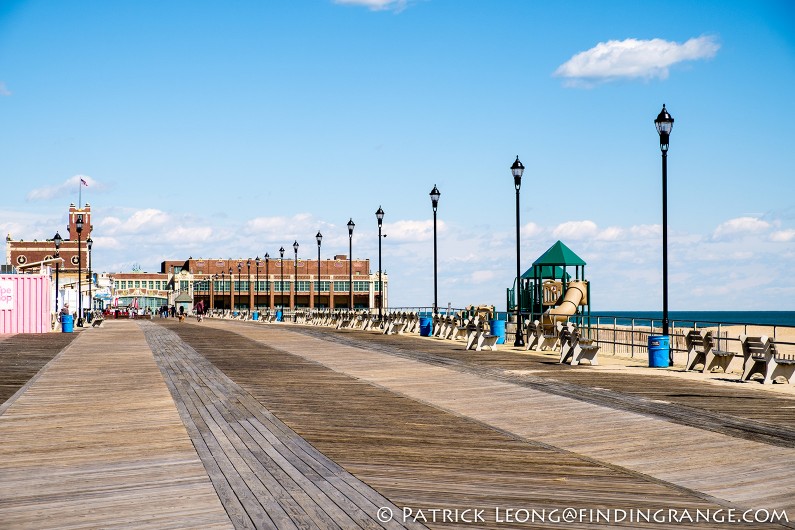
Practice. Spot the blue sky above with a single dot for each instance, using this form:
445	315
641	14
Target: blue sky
228	130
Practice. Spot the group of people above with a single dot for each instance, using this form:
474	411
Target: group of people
172	311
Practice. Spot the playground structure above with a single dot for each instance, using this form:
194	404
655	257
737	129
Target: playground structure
549	294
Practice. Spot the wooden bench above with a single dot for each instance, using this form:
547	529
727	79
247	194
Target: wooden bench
704	350
761	357
479	336
534	334
574	348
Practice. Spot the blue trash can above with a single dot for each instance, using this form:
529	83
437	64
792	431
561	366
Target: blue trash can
498	328
67	323
279	316
659	347
255	315
426	326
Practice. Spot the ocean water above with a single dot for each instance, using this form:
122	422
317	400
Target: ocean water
778	318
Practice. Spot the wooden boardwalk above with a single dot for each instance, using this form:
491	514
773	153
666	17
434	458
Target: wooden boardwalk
724	469
266	475
96	442
225	424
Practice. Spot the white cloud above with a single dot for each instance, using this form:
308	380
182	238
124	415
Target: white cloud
632	59
575	230
783	236
4	90
412	231
611	233
646	231
531	230
68	187
740	226
376	5
481	276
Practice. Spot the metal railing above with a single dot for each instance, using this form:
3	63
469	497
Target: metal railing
629	335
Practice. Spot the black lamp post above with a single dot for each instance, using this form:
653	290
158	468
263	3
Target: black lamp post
79	227
256	290
319	238
281	287
89	244
57	239
664	124
231	285
267	278
351	225
223	280
248	281
295	280
517	169
239	285
435	194
379	214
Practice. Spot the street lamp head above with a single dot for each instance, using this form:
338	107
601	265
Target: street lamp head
379	214
57	239
319	237
517	169
239	267
664	124
435	194
230	271
281	252
248	262
257	261
267	256
295	246
79	223
89	243
351	224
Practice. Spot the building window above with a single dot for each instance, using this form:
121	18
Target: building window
279	288
322	288
361	287
183	284
302	286
342	287
151	284
137	284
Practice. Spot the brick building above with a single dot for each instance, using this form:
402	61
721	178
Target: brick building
29	256
252	287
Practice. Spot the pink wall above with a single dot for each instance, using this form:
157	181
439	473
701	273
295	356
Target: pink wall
24	303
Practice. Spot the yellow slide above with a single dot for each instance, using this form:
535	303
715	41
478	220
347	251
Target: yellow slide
575	294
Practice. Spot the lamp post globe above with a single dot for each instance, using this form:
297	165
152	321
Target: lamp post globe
664	123
517	170
435	194
351	226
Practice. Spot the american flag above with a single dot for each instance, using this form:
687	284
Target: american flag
83	182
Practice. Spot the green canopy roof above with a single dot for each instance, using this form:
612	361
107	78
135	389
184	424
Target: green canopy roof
547	272
183	297
559	254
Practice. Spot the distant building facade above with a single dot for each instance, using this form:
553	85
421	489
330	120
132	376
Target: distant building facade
272	284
